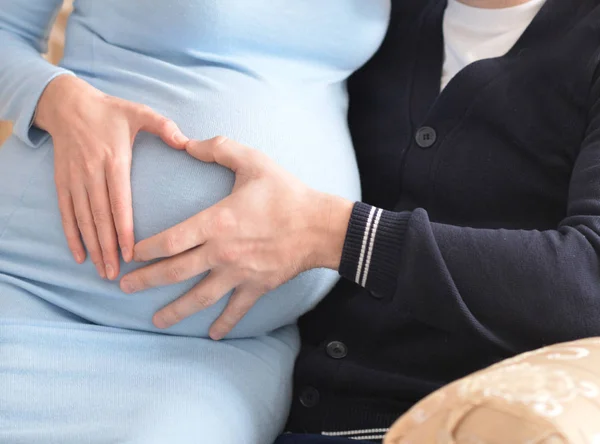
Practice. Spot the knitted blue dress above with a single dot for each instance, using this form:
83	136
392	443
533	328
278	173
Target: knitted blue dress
80	362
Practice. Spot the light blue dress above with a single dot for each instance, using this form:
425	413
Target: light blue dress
80	362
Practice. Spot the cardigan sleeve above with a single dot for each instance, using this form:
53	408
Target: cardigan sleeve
24	74
520	289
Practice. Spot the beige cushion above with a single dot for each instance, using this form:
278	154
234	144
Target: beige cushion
55	52
548	396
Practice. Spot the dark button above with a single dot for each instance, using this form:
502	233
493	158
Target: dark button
376	295
309	397
337	350
426	137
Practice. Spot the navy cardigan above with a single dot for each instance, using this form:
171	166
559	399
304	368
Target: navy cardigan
487	243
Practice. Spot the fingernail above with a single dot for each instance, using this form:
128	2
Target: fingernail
160	322
101	271
78	257
128	286
126	253
216	335
110	271
178	137
137	257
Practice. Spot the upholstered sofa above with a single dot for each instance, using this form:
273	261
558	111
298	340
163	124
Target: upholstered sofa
548	396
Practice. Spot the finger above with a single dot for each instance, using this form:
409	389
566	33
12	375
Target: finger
168	271
202	296
224	151
239	304
182	237
103	219
69	223
154	123
87	228
119	190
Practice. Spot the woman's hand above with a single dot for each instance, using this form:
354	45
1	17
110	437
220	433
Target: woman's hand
271	228
93	135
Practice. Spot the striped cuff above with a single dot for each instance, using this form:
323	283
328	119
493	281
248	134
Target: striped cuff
372	249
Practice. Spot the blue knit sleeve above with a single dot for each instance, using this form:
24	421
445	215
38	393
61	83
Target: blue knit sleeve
24	74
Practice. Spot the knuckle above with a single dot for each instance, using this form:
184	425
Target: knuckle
118	160
113	101
89	167
169	244
224	221
69	225
165	125
143	109
100	216
269	284
86	225
202	300
174	274
218	141
118	205
74	172
228	255
244	274
108	247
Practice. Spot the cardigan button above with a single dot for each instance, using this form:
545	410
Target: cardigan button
337	350
426	137
376	295
309	397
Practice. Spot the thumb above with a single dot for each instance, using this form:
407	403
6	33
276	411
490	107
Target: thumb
154	123
225	152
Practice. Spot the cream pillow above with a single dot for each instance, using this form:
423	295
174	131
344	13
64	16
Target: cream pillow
548	396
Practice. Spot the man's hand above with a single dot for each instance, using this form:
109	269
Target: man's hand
271	228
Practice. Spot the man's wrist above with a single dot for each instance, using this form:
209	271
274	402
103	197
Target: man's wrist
332	214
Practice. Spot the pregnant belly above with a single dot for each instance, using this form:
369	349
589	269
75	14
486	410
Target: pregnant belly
308	138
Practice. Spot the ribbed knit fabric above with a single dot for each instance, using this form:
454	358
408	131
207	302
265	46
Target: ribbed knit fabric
371	249
81	362
482	234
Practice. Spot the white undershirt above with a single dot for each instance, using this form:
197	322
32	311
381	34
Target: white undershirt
472	34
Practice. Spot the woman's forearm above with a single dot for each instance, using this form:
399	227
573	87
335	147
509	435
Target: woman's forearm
25	74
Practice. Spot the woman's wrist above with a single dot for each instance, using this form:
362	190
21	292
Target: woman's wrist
331	217
58	98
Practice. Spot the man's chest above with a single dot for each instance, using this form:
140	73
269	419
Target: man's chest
498	143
